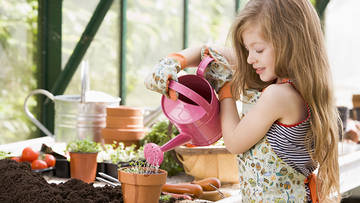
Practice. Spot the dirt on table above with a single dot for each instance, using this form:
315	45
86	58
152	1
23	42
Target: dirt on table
19	184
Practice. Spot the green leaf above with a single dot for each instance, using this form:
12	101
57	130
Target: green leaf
85	145
4	155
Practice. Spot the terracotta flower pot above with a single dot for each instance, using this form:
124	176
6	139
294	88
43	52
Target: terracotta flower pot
141	188
83	166
130	122
127	136
123	111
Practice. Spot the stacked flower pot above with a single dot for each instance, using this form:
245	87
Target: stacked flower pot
123	124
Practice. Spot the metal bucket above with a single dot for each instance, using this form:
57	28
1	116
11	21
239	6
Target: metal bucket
74	119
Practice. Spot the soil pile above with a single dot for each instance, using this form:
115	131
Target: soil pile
19	184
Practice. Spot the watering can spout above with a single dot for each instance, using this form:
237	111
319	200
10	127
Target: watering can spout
177	141
154	154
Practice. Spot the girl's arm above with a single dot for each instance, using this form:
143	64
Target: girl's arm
192	55
241	135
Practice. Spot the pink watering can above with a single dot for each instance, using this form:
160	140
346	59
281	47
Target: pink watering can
195	113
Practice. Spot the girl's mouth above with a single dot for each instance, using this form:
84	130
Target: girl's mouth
260	70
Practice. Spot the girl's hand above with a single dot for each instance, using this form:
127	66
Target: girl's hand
165	70
218	71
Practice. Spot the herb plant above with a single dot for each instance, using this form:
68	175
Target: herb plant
4	155
120	153
84	146
166	199
140	167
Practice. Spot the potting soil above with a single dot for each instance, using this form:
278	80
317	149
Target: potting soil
19	184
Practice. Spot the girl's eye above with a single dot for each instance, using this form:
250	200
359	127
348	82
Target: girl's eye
259	51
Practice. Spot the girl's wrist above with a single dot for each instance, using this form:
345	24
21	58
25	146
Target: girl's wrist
180	58
225	91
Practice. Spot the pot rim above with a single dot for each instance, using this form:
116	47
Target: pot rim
160	171
142	179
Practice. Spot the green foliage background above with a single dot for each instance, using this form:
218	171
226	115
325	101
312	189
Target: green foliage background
18	29
154	29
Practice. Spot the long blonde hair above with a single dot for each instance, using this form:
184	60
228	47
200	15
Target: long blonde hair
293	28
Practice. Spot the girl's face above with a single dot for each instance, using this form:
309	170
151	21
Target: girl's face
261	53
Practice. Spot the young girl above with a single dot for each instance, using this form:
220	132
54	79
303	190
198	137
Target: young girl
292	129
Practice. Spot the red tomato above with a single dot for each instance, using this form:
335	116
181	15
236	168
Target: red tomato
28	154
17	159
38	164
50	160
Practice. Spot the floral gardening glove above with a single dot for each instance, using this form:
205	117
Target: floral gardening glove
218	71
165	70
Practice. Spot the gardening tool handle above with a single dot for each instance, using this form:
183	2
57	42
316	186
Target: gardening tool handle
107	182
183	188
190	94
202	66
109	177
31	116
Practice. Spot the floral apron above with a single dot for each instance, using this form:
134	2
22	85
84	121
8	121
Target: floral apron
264	177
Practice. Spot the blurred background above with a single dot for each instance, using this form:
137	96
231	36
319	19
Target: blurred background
38	39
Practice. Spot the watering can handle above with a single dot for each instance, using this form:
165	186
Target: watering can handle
202	66
187	92
31	116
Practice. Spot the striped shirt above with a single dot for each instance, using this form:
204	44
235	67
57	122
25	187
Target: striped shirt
288	142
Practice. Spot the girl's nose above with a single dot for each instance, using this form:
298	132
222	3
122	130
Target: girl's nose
250	59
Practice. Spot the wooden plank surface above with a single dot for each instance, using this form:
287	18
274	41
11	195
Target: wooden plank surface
202	150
